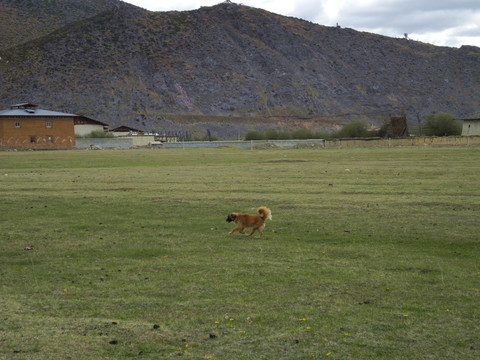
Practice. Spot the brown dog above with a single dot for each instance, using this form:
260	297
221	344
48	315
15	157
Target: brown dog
250	221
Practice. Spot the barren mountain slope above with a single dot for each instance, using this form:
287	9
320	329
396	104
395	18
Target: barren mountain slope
230	67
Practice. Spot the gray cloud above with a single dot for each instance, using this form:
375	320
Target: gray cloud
451	23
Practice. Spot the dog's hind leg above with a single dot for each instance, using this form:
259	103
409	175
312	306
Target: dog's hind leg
260	230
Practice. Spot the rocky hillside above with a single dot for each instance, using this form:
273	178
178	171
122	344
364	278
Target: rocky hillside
24	20
225	68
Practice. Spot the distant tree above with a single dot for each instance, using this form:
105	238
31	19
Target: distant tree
353	129
302	134
254	135
284	135
442	124
385	129
271	134
98	134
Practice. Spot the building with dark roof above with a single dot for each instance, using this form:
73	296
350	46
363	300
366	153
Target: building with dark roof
85	126
25	125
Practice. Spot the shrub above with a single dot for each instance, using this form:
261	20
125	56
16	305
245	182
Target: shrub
210	137
442	124
353	129
302	134
272	134
385	129
97	134
254	135
284	135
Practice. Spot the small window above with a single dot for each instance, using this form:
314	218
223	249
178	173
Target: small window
17	124
49	124
33	140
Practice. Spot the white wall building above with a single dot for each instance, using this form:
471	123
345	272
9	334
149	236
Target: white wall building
471	127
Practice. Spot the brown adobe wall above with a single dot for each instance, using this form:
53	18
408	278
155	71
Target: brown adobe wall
33	132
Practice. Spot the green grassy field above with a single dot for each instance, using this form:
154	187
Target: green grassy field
371	254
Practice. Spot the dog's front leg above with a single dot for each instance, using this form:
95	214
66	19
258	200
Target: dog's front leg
238	228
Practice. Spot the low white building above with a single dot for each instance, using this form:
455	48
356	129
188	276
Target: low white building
85	126
471	127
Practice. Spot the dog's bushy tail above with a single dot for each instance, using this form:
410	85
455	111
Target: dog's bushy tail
265	212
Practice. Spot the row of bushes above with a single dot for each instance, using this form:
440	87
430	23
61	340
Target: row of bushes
354	129
435	124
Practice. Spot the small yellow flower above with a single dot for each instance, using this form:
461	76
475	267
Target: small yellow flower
186	346
231	319
208	357
217	322
309	328
65	290
302	319
241	332
447	310
346	334
328	354
405	315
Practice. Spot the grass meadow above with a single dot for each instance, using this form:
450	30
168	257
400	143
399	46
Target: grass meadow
371	254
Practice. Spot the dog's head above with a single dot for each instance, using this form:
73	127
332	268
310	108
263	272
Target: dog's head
231	217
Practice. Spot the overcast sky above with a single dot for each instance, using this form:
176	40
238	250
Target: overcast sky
439	22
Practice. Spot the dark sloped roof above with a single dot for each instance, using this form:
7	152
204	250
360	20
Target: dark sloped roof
29	110
80	120
124	128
